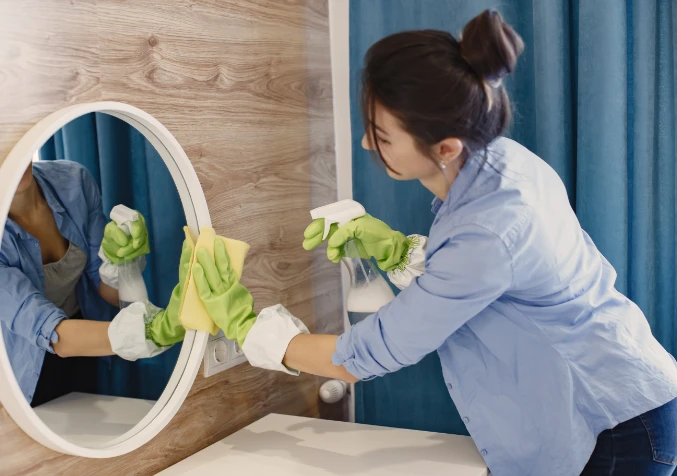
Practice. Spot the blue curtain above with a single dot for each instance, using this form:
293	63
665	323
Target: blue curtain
129	171
594	96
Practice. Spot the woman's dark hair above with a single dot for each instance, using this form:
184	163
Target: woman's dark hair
440	87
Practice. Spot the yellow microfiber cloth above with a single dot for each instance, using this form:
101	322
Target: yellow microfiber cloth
192	313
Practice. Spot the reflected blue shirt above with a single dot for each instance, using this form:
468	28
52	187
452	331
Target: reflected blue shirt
27	317
539	351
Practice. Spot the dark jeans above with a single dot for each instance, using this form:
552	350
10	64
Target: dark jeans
60	376
643	446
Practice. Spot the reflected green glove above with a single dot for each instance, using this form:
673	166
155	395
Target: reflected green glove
229	304
165	328
118	247
373	239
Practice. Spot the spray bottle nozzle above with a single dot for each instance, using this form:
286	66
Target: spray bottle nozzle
340	212
124	216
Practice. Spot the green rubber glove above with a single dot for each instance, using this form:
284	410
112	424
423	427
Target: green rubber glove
229	304
313	234
313	237
373	239
118	247
165	328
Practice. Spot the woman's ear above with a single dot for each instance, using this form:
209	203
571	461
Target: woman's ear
448	150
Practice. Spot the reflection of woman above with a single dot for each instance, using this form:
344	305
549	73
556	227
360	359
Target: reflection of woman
553	371
58	280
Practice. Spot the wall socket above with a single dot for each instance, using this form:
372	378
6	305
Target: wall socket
221	354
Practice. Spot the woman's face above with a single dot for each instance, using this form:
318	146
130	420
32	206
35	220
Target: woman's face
26	180
398	148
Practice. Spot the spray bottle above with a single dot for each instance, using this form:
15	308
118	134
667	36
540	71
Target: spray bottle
131	287
368	290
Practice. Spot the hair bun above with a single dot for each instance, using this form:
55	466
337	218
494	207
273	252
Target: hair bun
490	46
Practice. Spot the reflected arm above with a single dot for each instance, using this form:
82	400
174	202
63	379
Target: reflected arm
82	338
109	294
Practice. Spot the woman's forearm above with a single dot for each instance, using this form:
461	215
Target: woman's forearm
311	353
109	294
81	338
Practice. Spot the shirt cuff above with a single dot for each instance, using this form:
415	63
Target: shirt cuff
47	335
267	341
127	333
345	356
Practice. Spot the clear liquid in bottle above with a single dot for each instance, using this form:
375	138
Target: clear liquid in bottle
368	291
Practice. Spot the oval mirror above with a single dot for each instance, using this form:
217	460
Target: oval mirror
93	204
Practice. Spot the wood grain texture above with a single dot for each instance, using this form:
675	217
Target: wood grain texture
49	58
245	86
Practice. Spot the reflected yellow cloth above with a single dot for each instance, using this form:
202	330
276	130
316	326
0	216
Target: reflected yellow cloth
193	314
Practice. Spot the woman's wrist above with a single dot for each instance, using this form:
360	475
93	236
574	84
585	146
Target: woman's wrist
312	353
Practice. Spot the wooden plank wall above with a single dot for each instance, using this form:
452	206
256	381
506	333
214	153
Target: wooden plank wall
245	87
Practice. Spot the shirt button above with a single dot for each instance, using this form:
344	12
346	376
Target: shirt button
466	419
450	386
37	244
484	452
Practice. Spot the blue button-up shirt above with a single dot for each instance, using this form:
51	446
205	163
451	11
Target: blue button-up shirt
27	317
540	353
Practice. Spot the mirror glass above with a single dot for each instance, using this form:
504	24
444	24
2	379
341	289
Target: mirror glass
91	369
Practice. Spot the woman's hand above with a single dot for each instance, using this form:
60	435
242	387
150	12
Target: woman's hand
229	304
142	330
118	247
314	232
372	237
263	338
166	328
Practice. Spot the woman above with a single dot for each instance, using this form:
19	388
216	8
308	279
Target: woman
553	371
58	280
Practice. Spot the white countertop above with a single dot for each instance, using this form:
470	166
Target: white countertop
289	445
88	419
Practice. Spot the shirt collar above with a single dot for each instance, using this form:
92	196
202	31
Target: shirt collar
437	204
51	197
12	227
52	201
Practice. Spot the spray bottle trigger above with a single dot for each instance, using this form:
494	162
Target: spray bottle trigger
123	217
327	227
340	212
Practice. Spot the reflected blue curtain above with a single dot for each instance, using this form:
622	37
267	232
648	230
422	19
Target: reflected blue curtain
594	96
129	171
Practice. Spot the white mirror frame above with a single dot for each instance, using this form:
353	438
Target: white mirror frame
194	344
